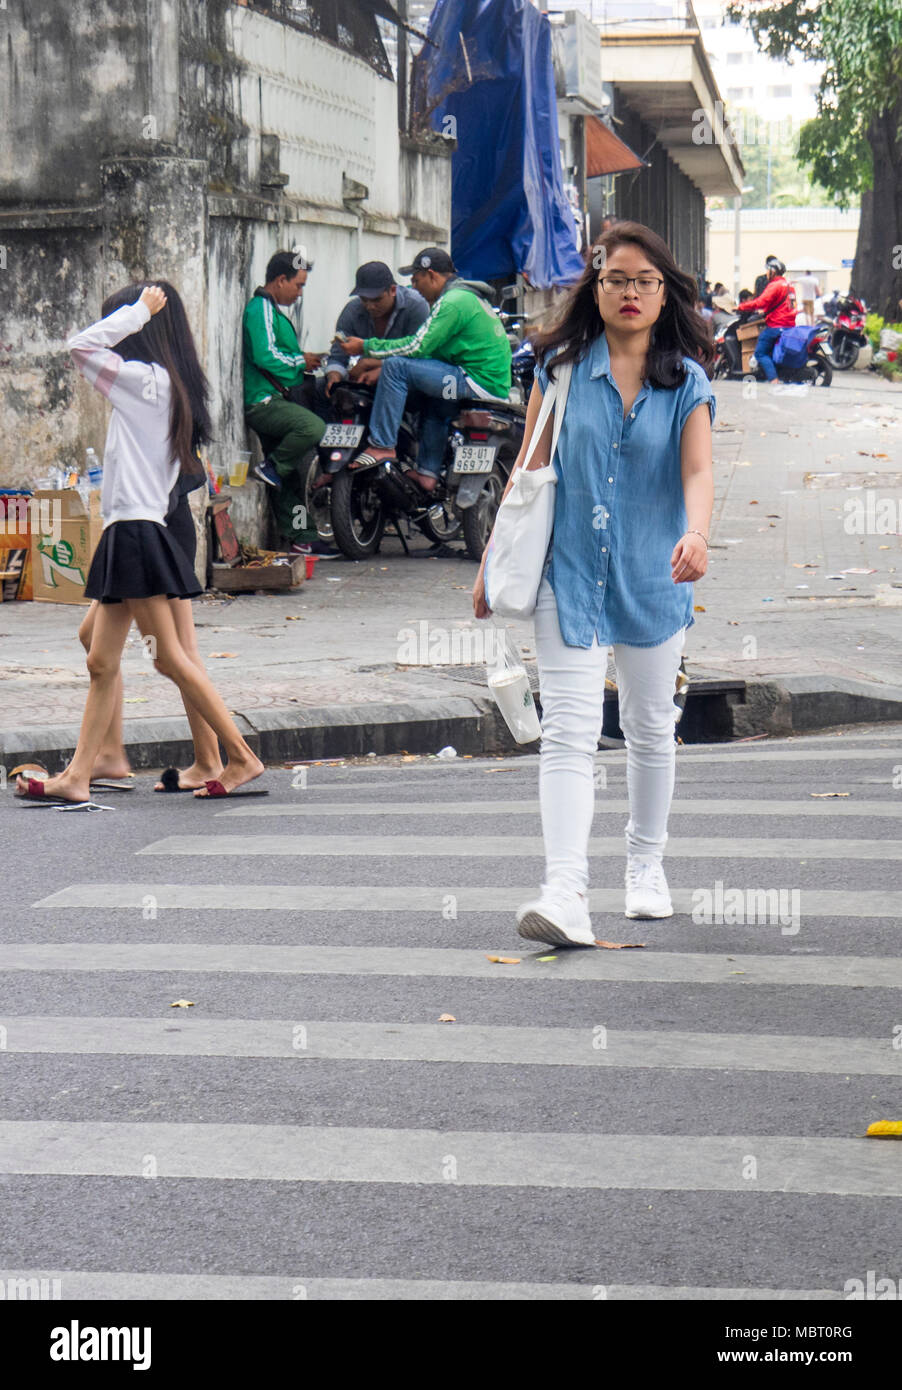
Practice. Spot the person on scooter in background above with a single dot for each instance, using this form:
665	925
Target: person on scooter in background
777	303
379	308
274	369
461	350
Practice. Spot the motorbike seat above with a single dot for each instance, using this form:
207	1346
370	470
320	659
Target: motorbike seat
475	402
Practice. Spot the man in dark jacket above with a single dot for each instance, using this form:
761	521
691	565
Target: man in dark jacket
379	308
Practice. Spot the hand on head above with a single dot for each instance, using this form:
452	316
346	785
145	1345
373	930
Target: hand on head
154	298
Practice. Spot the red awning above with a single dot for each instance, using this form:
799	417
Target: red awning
605	152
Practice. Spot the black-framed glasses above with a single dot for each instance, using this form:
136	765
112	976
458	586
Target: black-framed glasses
645	284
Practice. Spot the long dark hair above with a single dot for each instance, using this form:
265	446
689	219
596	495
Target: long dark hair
679	332
167	340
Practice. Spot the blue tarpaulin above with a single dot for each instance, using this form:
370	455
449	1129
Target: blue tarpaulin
489	81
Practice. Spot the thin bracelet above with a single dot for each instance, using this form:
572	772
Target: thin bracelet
703	536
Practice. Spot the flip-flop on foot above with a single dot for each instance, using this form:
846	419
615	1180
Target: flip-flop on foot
35	792
170	780
216	791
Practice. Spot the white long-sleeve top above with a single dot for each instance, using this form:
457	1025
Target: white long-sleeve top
139	469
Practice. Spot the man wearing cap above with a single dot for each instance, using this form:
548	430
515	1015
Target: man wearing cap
380	308
461	350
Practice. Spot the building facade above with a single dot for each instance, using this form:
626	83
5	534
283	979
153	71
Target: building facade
189	141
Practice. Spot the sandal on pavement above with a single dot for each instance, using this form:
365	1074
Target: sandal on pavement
170	780
35	792
216	791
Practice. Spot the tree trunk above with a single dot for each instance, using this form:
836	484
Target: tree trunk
877	276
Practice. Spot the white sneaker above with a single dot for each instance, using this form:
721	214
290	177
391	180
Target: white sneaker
559	917
647	894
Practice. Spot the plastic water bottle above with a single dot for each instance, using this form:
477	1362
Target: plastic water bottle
93	468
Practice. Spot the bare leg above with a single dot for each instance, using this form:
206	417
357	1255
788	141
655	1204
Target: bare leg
155	619
112	759
207	763
111	624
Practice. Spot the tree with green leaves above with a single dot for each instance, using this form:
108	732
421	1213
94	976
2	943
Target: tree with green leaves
853	145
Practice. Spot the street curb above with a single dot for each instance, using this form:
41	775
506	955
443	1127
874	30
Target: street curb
717	710
293	734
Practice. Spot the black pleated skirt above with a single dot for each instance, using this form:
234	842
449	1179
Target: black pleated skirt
139	559
180	524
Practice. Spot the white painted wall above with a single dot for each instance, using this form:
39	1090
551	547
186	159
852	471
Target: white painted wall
333	115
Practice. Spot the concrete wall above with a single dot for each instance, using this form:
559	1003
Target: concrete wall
147	141
788	242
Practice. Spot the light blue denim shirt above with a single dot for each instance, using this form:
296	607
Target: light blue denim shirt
619	508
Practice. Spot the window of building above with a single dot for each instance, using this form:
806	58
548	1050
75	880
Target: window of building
784	89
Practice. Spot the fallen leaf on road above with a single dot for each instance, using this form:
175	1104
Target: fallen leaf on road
182	1004
217	654
447	1018
504	960
544	958
410	757
820	795
620	945
754	502
737	972
29	768
135	700
885	1129
858	571
293	618
699	608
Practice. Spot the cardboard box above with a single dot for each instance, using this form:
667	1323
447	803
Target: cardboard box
64	536
15	515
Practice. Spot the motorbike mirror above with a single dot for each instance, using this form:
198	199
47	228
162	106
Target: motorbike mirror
508	292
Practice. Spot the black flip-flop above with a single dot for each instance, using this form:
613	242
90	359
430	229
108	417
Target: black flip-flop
170	780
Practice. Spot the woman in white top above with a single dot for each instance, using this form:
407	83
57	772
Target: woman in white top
157	390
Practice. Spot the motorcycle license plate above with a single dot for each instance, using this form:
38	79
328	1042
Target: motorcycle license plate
341	436
473	458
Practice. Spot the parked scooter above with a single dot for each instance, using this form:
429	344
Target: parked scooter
483	442
848	336
813	365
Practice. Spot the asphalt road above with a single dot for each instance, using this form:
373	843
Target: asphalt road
683	1121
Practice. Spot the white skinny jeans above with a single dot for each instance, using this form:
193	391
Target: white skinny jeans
571	681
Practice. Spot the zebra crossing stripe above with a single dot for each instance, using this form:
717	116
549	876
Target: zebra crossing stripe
308	897
852	972
92	1286
462	1043
510	847
891	810
468	1158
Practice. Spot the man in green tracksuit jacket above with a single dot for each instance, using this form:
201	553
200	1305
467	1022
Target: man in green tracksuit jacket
461	350
273	360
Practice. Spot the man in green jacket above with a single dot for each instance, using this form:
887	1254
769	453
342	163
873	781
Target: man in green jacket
461	350
273	363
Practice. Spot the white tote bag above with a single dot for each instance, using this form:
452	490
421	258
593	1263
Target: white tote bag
523	526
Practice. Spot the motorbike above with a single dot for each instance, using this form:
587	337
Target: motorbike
848	336
483	441
816	369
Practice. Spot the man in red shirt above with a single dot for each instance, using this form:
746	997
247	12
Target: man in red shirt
777	302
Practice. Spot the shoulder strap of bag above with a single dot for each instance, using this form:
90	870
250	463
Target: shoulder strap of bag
555	397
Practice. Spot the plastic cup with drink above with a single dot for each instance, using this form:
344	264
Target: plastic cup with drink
508	683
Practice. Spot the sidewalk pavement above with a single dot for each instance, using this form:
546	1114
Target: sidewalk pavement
345	664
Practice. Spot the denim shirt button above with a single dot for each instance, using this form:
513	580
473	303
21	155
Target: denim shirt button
632	414
615	445
610	480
